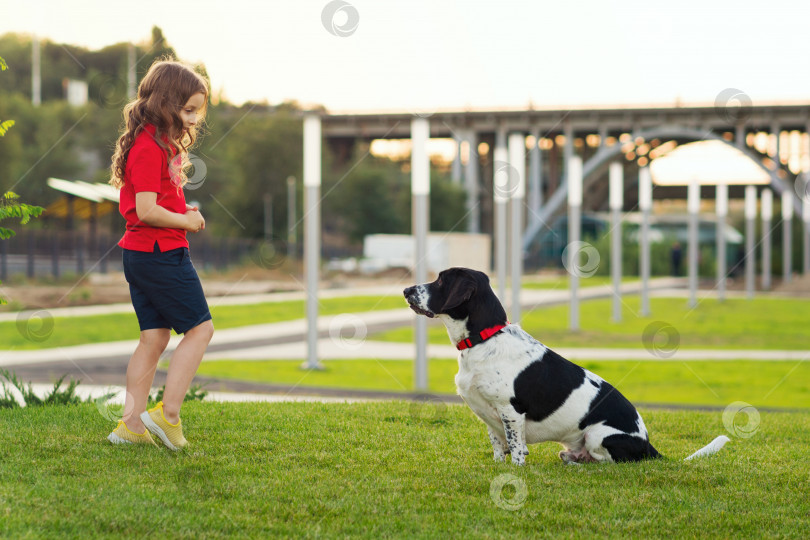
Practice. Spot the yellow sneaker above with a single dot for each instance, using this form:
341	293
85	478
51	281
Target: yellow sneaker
170	434
123	435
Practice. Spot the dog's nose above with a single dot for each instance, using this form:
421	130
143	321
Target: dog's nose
409	291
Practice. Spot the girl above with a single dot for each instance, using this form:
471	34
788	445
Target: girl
148	168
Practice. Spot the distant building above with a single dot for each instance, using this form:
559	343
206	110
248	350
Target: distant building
75	92
547	247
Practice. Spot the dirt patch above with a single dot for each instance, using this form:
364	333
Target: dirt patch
112	288
799	286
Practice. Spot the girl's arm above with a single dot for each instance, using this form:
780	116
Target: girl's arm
150	213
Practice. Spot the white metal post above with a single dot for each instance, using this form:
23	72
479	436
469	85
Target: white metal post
132	83
767	216
645	205
291	210
787	236
616	202
471	184
500	194
750	226
517	162
455	169
574	167
721	206
312	231
806	232
420	192
804	194
36	72
535	183
693	207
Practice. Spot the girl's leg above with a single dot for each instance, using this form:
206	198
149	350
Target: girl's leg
141	373
183	366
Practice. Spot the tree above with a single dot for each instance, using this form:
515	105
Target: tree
10	205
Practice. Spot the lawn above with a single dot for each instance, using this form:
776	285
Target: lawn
562	282
66	331
761	323
710	383
388	470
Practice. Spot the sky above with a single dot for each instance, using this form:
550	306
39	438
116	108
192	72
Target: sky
431	55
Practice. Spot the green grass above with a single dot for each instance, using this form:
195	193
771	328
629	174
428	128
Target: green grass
762	384
562	282
761	323
388	470
120	326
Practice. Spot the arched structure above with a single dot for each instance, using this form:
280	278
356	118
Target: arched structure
595	168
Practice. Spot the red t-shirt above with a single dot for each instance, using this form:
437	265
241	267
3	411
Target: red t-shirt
147	169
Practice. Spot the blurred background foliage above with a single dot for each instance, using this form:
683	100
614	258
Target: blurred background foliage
248	150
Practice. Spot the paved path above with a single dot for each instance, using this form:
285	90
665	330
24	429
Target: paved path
273	334
98	393
230	300
105	363
342	349
110	407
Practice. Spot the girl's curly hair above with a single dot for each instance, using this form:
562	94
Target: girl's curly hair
163	92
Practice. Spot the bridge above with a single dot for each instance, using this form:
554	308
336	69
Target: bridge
600	136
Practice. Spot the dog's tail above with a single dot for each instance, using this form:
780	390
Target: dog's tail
711	448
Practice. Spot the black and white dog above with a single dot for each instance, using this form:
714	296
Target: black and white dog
523	391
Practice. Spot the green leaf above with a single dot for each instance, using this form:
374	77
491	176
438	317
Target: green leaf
3	65
4	126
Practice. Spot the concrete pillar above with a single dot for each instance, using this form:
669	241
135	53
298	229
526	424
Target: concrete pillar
787	236
750	250
312	231
535	189
500	191
132	82
767	216
804	193
574	168
291	220
645	205
420	191
616	201
693	207
568	150
721	206
806	235
471	182
603	135
36	72
517	162
455	169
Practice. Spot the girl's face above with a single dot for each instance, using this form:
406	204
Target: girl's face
189	111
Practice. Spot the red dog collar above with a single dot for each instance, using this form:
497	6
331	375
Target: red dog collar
482	336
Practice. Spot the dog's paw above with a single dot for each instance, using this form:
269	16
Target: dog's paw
498	456
518	459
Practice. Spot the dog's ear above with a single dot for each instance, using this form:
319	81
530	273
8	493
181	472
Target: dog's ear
460	292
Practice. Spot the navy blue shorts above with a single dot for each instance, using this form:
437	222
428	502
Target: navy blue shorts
165	289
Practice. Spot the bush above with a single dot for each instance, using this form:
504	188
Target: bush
57	396
67	396
660	257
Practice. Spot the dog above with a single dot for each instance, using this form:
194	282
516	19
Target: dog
523	391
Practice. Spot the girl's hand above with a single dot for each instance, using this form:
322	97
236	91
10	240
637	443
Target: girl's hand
189	207
195	222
